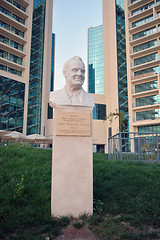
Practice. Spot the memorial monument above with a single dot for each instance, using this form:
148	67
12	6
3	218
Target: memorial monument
72	160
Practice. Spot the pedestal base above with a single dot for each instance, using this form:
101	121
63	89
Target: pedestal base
72	172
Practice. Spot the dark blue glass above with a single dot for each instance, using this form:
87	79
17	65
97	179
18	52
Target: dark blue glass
12	104
52	63
122	66
36	68
99	111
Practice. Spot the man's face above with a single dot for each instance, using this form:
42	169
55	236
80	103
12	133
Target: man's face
75	74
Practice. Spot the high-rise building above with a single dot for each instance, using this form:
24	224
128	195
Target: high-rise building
96	85
109	64
25	64
143	64
131	62
95	60
15	42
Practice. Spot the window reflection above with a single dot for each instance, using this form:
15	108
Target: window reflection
146	86
12	104
150	114
149	100
99	111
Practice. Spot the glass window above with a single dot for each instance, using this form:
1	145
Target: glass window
99	111
142	8
134	1
158	14
5	11
144	33
95	53
11	117
4	39
15	59
145	45
50	112
3	54
17	32
16	45
2	67
142	21
15	17
19	6
4	25
149	100
36	67
154	70
145	59
149	128
150	114
146	86
14	71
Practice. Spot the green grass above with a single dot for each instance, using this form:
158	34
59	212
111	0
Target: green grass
130	190
27	215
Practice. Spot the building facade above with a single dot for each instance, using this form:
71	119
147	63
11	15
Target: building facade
131	63
25	57
96	85
143	64
112	92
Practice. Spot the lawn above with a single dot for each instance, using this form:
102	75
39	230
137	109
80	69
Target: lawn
126	196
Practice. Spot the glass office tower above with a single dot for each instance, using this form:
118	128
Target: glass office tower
36	68
121	64
50	109
95	60
52	63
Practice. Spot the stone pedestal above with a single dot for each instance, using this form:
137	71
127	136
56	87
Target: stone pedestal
72	161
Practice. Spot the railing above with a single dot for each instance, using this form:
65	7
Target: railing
143	75
134	146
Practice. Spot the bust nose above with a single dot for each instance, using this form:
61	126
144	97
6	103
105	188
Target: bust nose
79	72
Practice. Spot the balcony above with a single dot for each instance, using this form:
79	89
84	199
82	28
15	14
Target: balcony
136	3
146	107
9	6
145	65
13	36
145	38
13	22
12	50
146	51
144	92
147	76
143	26
11	64
140	15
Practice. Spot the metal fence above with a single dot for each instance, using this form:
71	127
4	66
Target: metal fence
134	146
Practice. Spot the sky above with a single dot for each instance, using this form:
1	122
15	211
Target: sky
71	19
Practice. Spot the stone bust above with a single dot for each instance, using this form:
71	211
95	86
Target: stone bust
72	93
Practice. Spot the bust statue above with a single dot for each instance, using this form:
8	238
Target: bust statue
72	93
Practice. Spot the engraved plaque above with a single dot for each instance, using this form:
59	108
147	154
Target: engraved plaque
73	124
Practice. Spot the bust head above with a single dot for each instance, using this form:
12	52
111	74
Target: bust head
74	73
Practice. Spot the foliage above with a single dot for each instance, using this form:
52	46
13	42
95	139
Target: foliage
78	225
114	115
98	206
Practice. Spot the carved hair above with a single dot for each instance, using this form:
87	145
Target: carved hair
67	64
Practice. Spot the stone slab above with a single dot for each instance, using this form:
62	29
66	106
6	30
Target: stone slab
72	171
73	124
